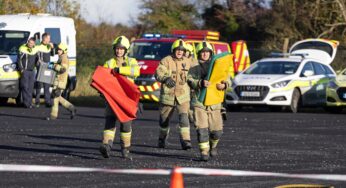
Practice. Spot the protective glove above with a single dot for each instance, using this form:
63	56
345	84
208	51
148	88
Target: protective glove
169	82
116	70
62	70
204	83
51	66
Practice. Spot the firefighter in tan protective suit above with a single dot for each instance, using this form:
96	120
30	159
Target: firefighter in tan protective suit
61	68
208	119
175	93
128	67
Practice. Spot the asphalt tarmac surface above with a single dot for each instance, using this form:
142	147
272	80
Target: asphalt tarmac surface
309	142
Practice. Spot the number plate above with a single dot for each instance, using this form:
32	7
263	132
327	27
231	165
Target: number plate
249	94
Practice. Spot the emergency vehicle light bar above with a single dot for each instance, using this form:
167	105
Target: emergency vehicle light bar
276	54
158	36
151	35
198	34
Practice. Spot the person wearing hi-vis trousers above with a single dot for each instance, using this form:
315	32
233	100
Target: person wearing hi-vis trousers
208	119
175	93
128	67
60	82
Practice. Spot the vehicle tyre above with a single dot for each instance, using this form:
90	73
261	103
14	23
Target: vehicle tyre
233	108
295	102
333	110
3	100
275	108
66	94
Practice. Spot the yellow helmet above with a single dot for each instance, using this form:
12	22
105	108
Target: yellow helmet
63	47
204	46
178	44
189	48
121	42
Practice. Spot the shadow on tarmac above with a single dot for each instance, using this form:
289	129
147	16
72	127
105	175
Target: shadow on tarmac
48	151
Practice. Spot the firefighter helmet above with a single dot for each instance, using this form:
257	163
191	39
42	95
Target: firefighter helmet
178	44
63	47
204	46
121	42
189	48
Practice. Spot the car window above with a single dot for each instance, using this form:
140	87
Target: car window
10	41
319	69
328	70
273	67
55	35
150	50
307	66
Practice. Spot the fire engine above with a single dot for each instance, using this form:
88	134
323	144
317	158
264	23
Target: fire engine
151	48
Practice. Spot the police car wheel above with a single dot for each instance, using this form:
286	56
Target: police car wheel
275	108
295	102
233	108
3	100
66	94
333	110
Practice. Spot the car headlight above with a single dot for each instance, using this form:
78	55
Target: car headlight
10	67
281	84
332	85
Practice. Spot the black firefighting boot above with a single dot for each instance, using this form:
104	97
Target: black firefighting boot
213	152
162	142
105	150
204	158
186	144
49	118
125	153
107	143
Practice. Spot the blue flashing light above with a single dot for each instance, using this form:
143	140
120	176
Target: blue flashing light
151	35
158	36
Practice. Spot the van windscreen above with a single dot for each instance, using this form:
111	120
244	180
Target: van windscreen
11	40
150	50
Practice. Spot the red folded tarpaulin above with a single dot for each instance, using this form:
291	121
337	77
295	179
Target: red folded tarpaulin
121	94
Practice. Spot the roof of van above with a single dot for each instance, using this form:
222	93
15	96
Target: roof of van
25	22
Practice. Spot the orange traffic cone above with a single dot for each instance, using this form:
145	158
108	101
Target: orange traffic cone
177	179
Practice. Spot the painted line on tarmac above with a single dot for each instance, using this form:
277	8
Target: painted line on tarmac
225	172
184	170
39	168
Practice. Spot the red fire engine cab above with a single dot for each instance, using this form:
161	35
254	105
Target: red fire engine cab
151	48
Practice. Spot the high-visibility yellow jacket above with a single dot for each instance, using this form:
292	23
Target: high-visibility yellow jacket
127	66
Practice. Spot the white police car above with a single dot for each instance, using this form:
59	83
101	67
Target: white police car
296	79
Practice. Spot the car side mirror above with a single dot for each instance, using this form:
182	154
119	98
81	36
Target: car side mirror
308	73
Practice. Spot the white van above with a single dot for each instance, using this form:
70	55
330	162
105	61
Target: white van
15	30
